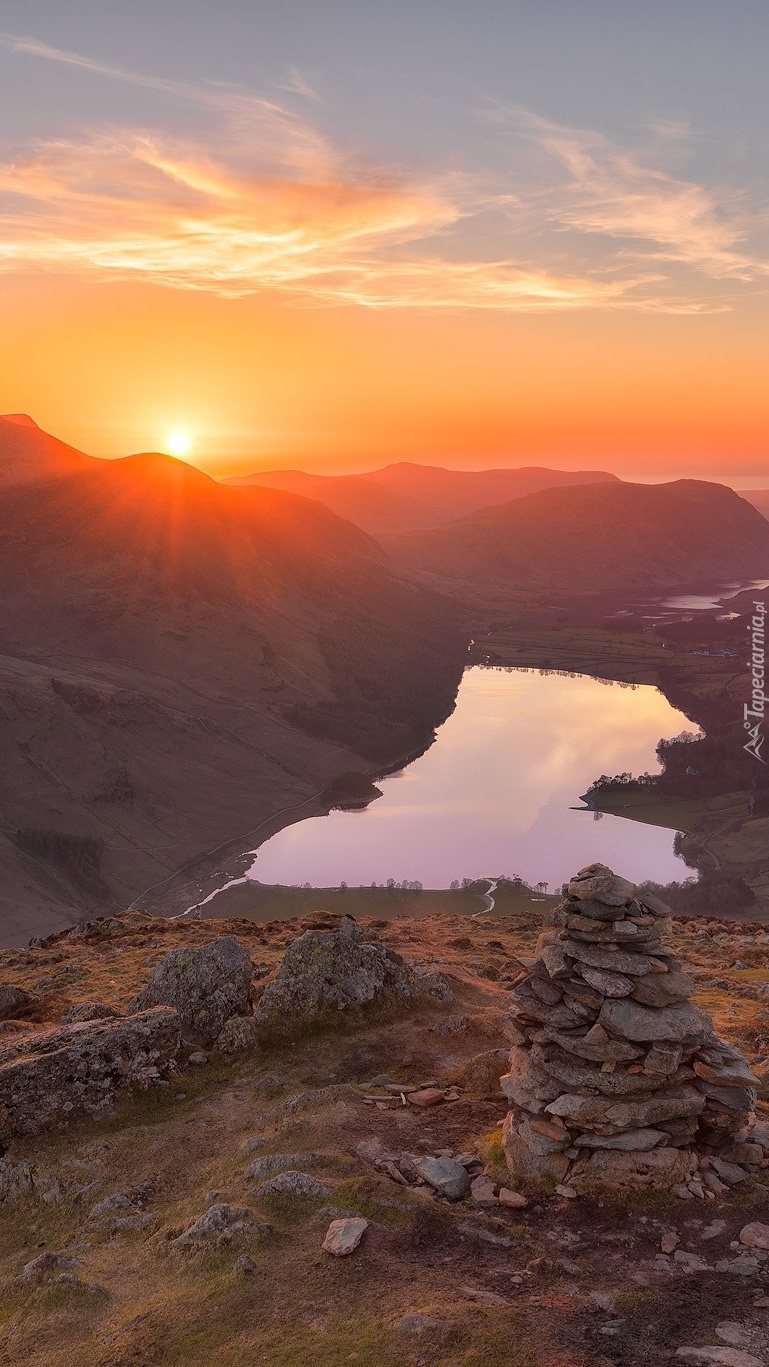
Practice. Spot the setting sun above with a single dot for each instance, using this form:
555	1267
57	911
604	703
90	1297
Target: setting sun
178	444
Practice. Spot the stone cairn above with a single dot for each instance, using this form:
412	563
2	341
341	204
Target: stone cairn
616	1077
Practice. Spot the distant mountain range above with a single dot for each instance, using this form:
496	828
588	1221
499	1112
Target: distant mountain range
599	538
408	497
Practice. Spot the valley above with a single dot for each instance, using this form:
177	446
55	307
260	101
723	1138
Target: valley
188	666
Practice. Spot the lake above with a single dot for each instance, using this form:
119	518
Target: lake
699	600
495	792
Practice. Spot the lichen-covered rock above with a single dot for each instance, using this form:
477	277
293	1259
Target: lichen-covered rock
218	1220
89	1011
16	1179
327	973
270	1163
239	1035
12	999
47	1265
79	1068
206	986
297	1186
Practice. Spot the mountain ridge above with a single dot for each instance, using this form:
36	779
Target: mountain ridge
407	496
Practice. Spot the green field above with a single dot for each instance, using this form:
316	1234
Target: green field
259	902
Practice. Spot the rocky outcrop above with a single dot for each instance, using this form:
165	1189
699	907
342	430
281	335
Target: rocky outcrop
79	1068
218	1222
206	986
326	973
12	1000
615	1075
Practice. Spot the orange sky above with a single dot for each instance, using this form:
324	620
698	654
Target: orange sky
276	256
115	368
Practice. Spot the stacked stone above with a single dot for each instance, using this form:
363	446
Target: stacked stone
615	1074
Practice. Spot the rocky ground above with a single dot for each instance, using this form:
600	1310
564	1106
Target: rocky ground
187	1222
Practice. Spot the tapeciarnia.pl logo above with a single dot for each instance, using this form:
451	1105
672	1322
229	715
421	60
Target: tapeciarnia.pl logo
754	712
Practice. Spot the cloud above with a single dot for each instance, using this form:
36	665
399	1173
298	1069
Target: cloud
616	193
127	205
268	201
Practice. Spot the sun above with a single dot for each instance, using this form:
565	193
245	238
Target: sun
178	443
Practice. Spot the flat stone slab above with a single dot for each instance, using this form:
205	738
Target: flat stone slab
598	956
608	982
634	1021
633	1140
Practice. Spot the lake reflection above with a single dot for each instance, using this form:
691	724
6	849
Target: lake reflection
492	795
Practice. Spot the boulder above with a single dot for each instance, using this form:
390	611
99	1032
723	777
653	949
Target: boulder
205	986
89	1011
12	1000
755	1235
47	1265
217	1220
79	1068
444	1175
327	974
297	1186
344	1236
270	1163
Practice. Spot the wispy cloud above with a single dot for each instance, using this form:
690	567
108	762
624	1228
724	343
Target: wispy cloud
608	190
270	202
297	84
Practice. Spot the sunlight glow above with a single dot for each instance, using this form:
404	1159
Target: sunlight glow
178	444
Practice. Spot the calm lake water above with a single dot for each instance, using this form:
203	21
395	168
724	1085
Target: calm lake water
494	793
703	602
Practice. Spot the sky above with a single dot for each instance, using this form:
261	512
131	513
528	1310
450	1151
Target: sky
330	234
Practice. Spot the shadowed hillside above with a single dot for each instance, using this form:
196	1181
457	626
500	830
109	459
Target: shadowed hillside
759	498
182	660
596	538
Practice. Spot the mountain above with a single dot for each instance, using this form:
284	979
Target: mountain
759	498
407	497
595	538
181	661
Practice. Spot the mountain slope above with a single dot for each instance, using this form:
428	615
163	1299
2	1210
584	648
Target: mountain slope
759	498
181	661
407	497
597	538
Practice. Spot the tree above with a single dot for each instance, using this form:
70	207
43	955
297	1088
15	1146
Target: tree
454	885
